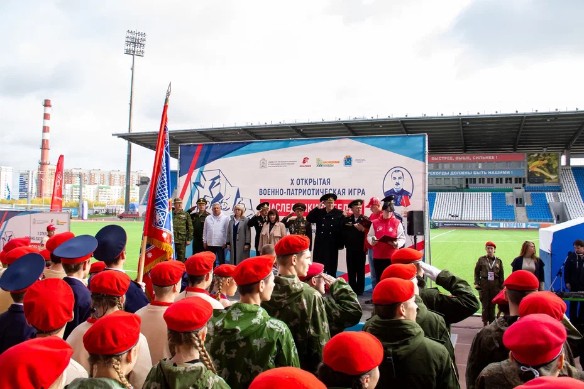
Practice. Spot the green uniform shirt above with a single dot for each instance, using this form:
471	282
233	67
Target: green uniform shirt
168	375
342	307
302	309
95	383
245	341
182	226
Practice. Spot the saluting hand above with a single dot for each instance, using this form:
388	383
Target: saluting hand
328	279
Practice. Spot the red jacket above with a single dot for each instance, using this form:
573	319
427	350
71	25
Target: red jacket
383	227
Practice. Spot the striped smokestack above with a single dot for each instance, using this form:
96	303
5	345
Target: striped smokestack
43	178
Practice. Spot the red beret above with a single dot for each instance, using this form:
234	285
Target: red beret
225	270
500	298
366	353
51	227
58	239
314	269
110	282
406	255
113	334
97	267
189	314
292	244
286	378
48	304
405	271
491	244
16	242
11	256
548	382
373	201
36	363
521	280
392	291
46	254
253	270
167	273
543	302
200	263
535	339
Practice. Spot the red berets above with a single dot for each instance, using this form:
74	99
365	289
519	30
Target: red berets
549	382
11	256
286	378
521	280
110	282
51	227
392	291
406	255
113	334
167	273
490	244
535	339
292	244
35	363
405	271
543	302
58	239
97	267
200	263
188	314
16	242
314	269
46	254
48	304
253	270
225	270
353	353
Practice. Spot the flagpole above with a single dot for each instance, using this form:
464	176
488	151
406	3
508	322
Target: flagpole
155	172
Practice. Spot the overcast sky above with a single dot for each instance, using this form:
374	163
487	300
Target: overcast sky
260	61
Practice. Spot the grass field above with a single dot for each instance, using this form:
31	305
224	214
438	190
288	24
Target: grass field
454	249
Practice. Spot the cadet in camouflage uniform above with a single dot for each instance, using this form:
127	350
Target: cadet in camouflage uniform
183	229
488	280
198	215
245	340
297	223
190	365
342	304
297	304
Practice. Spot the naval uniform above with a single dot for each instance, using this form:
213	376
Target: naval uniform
328	240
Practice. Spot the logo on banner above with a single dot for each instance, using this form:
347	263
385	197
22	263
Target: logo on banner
263	163
398	182
348	161
322	163
305	163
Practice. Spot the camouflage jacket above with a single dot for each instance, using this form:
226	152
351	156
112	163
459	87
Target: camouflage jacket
95	383
244	341
302	309
182	226
168	375
434	327
460	304
342	307
505	375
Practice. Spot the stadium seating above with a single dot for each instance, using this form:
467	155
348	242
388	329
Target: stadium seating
500	210
572	195
431	202
477	206
543	188
539	210
448	206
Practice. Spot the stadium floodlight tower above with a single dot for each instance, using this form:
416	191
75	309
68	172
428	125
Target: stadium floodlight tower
135	42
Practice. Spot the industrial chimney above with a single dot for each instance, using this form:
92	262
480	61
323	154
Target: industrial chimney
43	175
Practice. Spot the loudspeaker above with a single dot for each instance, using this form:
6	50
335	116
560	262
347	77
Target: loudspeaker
415	223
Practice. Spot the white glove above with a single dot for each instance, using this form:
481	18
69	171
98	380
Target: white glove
431	271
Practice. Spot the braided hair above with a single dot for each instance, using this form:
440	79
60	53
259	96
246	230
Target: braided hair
192	339
116	363
101	303
219	286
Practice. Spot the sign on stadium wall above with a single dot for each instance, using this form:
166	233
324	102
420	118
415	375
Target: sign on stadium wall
17	224
477	173
462	158
543	168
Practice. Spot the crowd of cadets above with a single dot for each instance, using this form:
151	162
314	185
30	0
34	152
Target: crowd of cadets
67	322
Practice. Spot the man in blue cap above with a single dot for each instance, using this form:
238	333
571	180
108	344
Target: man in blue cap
24	272
75	255
111	248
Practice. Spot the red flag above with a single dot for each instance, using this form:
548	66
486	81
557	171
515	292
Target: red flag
405	201
158	220
57	199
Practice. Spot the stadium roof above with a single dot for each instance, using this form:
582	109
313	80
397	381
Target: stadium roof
519	132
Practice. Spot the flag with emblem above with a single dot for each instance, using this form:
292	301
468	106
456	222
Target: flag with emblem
157	238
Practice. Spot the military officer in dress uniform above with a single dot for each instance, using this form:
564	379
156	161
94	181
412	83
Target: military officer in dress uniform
355	228
111	249
328	240
21	274
182	228
257	222
198	215
297	223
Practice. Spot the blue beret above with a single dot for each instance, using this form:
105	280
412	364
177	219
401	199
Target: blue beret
24	272
111	241
79	247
